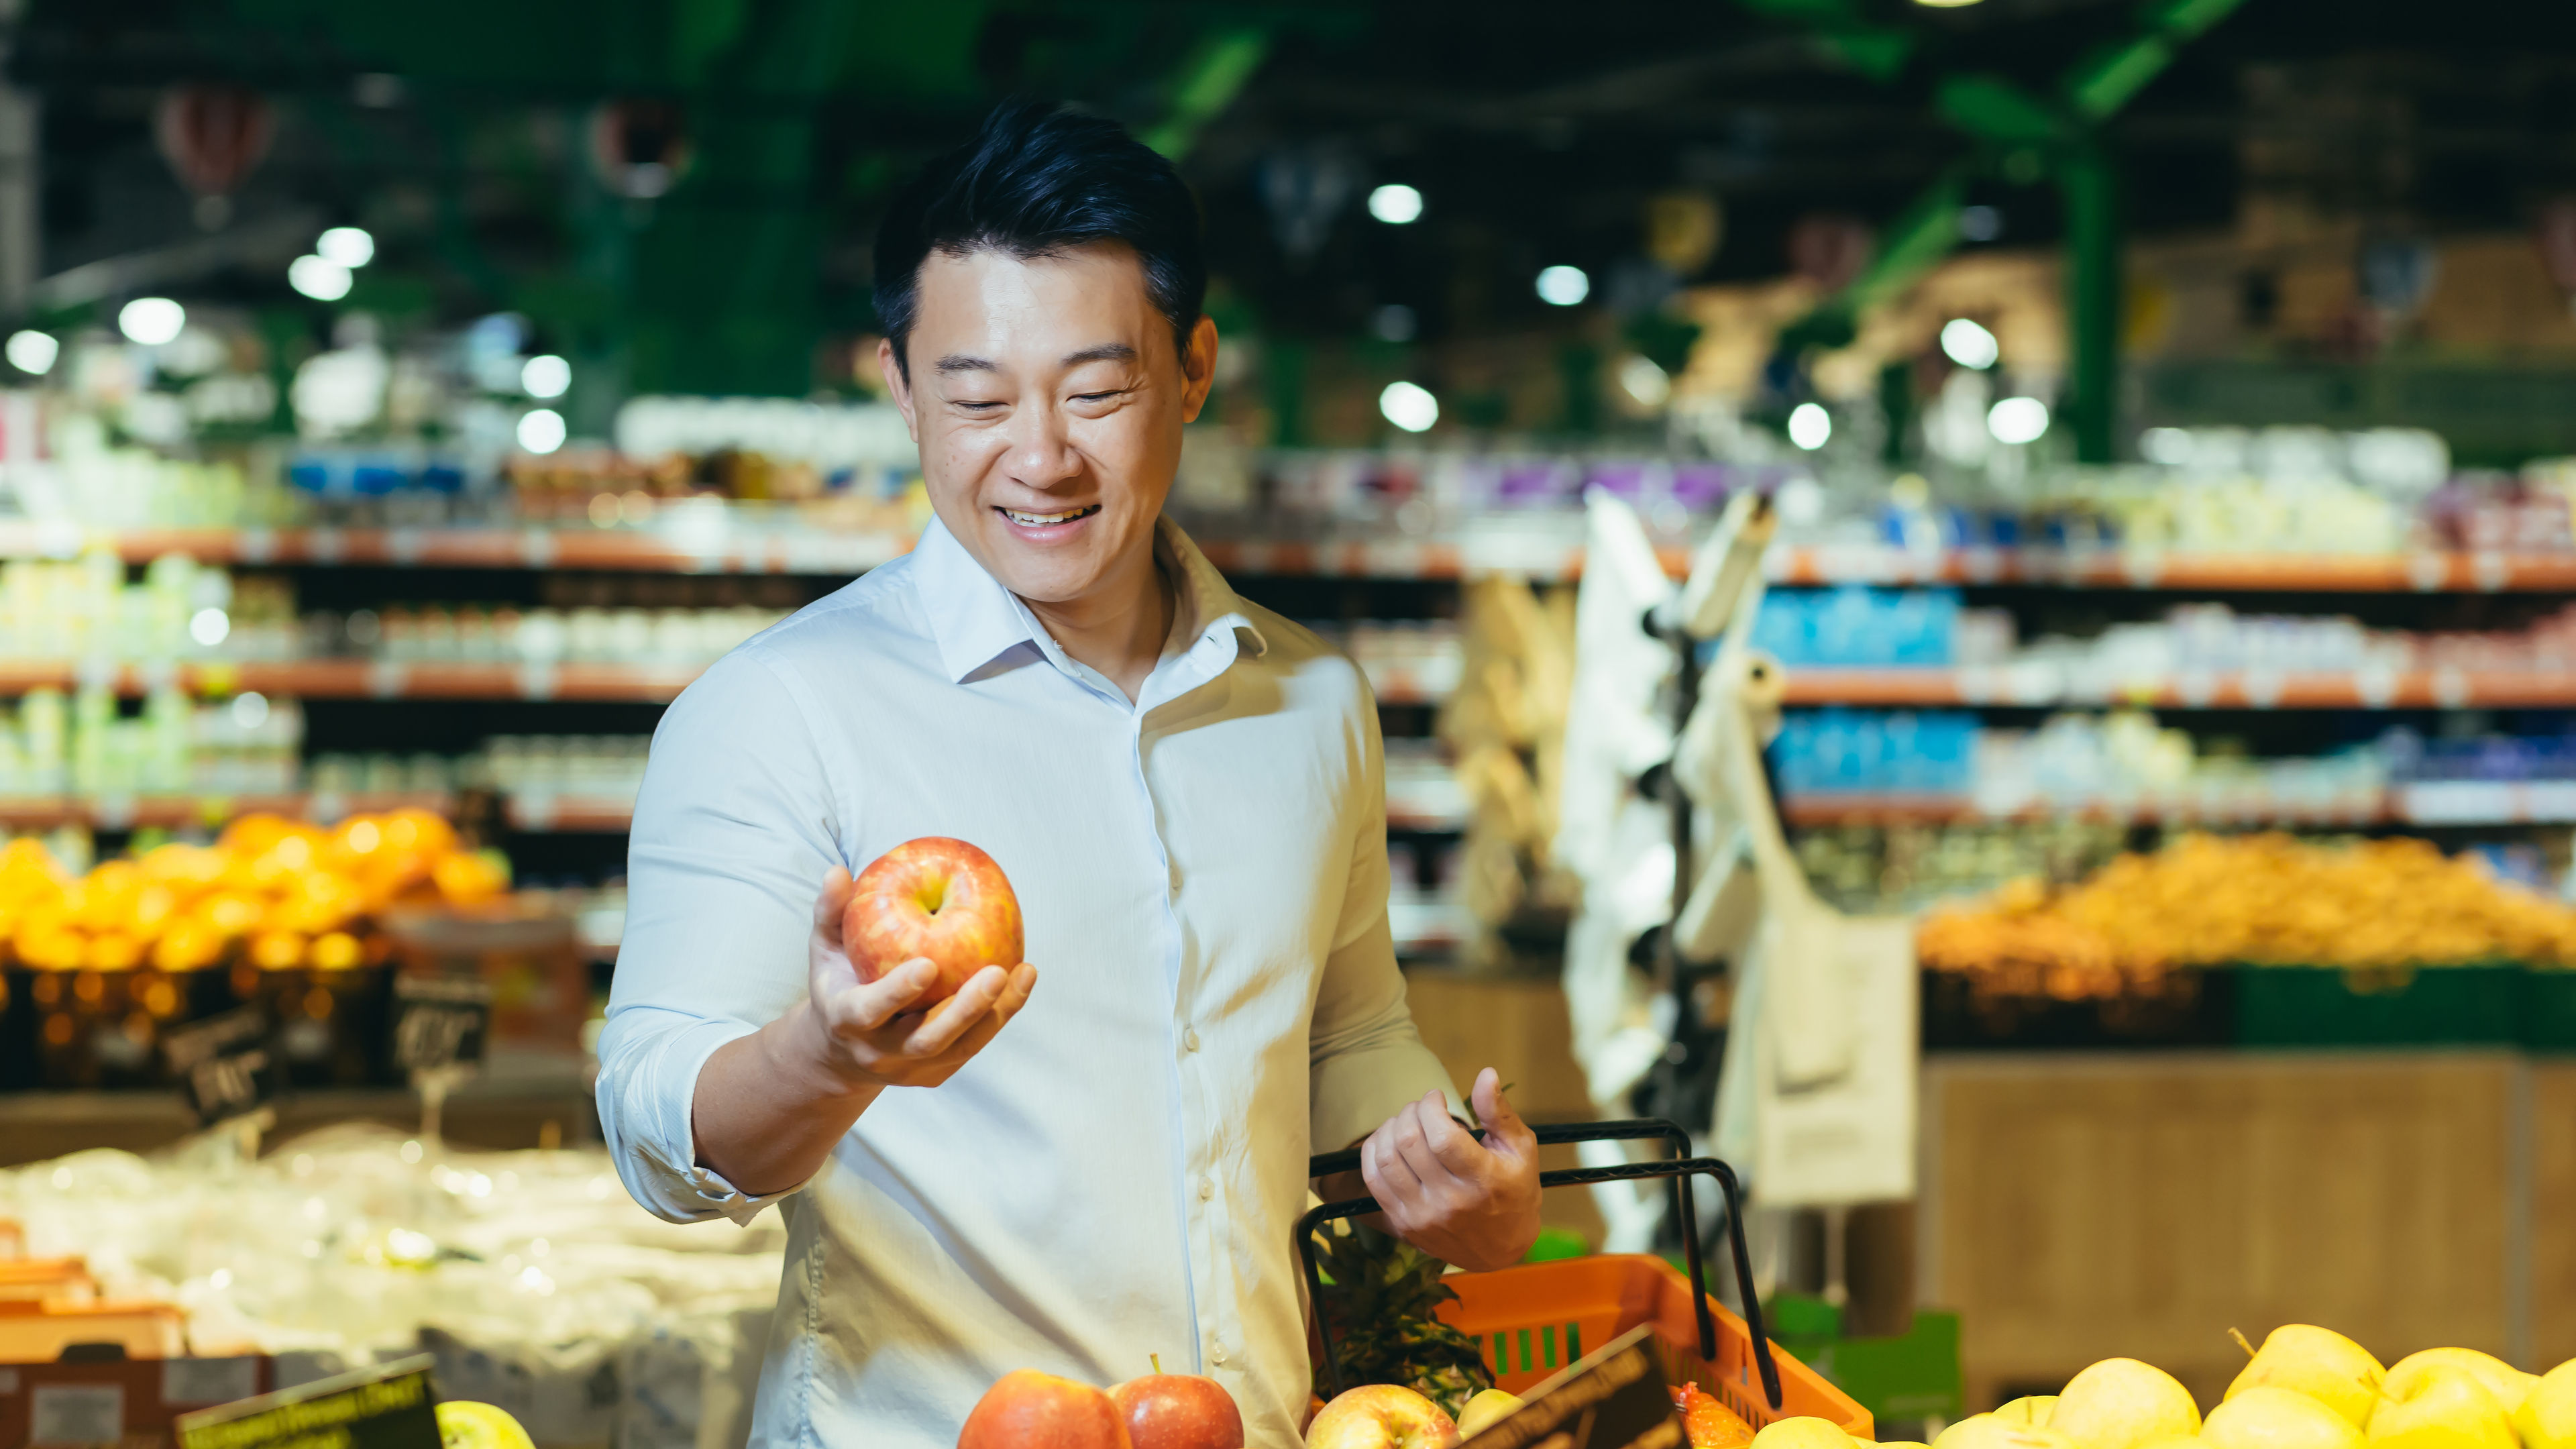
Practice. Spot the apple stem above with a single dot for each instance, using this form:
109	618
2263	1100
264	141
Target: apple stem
2241	1343
1156	1360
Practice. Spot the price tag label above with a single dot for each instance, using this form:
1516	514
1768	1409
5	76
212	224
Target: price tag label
440	1022
63	1415
1615	1398
392	1407
223	1064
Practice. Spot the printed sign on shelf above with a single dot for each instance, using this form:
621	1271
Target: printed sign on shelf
223	1064
440	1021
392	1407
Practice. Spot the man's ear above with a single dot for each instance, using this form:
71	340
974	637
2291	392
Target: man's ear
1198	369
898	386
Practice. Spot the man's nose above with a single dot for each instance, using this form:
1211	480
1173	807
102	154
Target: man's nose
1041	453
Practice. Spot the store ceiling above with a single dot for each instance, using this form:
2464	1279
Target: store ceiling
1537	133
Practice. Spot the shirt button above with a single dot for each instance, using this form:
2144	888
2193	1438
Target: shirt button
1190	1037
1207	1189
1216	1354
1176	880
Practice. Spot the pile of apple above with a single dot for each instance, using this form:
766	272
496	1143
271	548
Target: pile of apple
1026	1409
2307	1388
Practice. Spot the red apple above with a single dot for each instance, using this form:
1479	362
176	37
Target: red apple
936	898
1381	1416
1178	1411
1025	1409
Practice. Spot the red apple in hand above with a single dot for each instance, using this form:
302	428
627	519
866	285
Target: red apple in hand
936	898
1178	1411
1025	1409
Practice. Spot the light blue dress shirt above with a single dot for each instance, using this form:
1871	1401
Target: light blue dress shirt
1204	878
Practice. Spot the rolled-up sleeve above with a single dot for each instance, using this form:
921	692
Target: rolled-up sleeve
1364	1058
734	830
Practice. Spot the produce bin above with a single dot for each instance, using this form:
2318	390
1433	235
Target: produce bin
2549	1009
2312	1006
1536	1319
2196	1008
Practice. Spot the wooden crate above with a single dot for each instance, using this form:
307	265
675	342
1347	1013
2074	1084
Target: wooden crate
2552	1216
2079	1207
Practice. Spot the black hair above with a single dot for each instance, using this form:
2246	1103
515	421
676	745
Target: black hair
1035	180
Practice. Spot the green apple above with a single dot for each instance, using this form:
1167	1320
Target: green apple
2121	1403
2317	1362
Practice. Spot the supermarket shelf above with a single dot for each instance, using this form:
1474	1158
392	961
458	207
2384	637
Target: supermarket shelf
2111	568
2470	803
1540	552
365	679
2017	685
129	812
713	551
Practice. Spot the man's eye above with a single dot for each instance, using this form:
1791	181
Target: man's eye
1098	396
976	407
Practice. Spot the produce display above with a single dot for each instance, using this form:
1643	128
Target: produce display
532	1276
938	899
2305	1388
2205	900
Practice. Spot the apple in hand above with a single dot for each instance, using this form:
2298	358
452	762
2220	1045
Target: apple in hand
1381	1416
935	898
1025	1409
1178	1411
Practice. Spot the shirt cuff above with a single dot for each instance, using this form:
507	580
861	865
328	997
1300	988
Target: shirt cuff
648	1093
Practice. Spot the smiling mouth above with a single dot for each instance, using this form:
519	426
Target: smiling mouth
1042	520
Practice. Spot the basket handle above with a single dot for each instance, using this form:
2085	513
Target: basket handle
1680	1170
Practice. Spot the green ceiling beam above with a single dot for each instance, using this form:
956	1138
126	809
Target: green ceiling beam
1207	84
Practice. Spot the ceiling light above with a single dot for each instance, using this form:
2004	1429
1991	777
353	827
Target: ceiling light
350	246
319	278
2017	420
1969	344
151	320
33	352
1810	425
541	430
1409	406
1396	204
546	376
1563	286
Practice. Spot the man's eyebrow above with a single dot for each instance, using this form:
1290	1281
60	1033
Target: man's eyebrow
1105	352
960	362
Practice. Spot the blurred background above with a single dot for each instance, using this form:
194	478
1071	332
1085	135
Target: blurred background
2096	476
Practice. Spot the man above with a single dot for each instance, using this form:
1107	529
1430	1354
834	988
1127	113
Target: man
1186	792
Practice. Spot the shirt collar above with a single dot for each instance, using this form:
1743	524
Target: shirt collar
974	620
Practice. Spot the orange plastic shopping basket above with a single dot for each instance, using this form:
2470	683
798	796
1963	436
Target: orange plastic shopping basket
1533	1320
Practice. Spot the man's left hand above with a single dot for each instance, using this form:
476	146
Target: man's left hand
1471	1204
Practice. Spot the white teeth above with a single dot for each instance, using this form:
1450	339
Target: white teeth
1040	520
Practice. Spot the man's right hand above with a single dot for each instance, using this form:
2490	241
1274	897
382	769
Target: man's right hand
871	1034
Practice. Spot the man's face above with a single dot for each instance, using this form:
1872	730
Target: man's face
1047	400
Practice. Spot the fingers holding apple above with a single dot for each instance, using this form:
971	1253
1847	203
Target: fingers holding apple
935	899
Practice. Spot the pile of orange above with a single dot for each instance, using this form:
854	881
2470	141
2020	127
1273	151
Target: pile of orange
271	892
2259	899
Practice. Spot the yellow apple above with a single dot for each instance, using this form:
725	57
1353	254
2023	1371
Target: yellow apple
2028	1409
2121	1403
1802	1433
2445	1408
2510	1385
2547	1419
2266	1417
2173	1441
1489	1406
2317	1362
